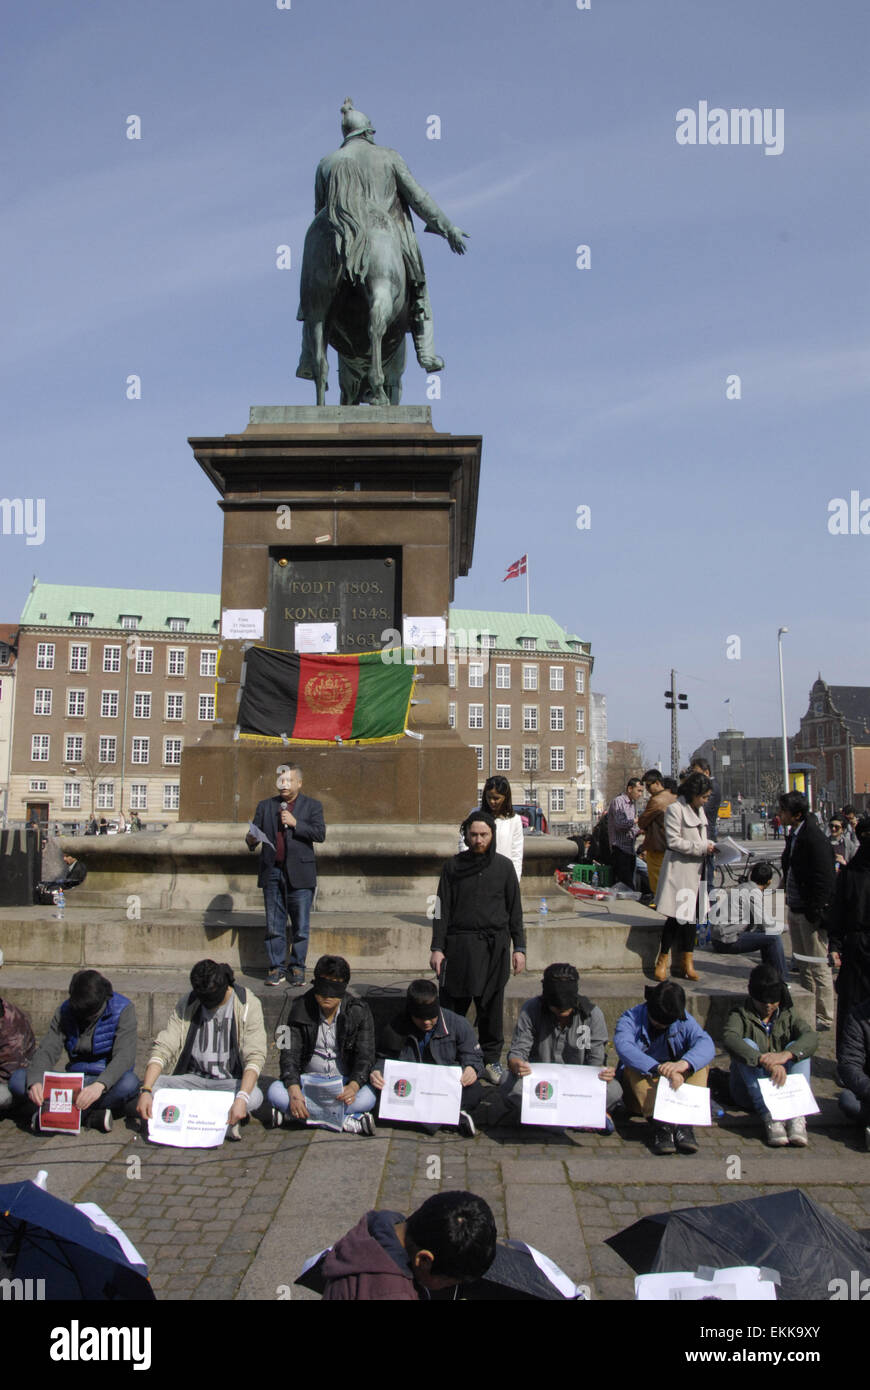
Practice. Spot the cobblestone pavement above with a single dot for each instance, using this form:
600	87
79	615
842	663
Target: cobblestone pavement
238	1222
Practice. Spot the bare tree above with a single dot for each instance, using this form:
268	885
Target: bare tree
624	761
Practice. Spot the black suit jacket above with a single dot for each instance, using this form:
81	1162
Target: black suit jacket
300	839
811	860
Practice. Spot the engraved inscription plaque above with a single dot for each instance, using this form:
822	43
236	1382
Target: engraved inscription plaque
359	589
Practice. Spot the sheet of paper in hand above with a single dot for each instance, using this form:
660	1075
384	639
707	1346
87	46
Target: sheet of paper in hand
321	1100
791	1099
570	1097
421	1094
189	1119
59	1112
687	1105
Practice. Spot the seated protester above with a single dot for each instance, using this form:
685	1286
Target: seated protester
758	909
330	1032
659	1039
562	1027
424	1032
75	873
854	1067
215	1040
17	1046
388	1257
97	1028
765	1037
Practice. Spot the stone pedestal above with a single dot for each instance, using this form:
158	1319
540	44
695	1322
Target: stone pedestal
330	493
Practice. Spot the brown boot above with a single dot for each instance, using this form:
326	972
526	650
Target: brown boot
661	970
683	968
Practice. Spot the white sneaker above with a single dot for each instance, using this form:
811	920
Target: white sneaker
494	1073
359	1124
234	1133
774	1134
467	1125
796	1132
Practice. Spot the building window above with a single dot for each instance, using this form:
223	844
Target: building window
45	656
206	707
557	800
478	749
530	719
530	678
529	644
81	620
579	680
208	663
39	784
109	704
557	759
475	716
580	721
530	758
105	796
171	793
72	791
129	621
502	677
111	659
502	716
174	706
172	751
176	661
139	796
451	675
39	746
42	702
73	748
487	641
141	747
502	757
178	624
78	657
581	800
75	704
557	719
451	715
144	661
557	677
108	749
581	759
475	675
142	704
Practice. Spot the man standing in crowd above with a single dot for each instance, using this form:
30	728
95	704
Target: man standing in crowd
290	825
623	830
478	915
711	811
810	879
652	821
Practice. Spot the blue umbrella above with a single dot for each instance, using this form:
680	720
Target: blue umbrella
42	1237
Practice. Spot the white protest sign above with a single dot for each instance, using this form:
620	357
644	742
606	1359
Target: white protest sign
687	1105
189	1119
791	1099
570	1097
242	624
421	1094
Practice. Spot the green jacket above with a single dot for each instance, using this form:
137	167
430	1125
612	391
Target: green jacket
788	1033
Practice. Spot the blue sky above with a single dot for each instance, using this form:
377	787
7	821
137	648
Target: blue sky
603	387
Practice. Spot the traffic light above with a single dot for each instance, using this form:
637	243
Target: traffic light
683	700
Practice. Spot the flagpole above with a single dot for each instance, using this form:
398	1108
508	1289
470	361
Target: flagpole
528	608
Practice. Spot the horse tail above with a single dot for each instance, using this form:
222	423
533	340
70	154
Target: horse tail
345	208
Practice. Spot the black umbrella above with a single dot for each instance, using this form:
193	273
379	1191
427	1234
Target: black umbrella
44	1238
785	1231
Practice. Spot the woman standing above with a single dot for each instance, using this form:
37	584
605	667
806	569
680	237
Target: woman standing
682	890
496	800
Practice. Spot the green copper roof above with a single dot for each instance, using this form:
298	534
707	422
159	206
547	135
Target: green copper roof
509	628
52	605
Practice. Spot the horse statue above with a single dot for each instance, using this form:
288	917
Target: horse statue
363	286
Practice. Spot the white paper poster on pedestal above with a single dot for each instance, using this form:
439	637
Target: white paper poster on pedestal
424	632
316	637
421	1094
570	1097
687	1105
243	624
790	1100
189	1119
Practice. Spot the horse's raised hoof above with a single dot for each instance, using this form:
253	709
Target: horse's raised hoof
430	364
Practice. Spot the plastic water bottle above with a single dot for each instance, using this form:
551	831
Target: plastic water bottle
60	902
543	908
595	878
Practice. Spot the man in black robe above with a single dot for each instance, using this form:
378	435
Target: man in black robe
478	916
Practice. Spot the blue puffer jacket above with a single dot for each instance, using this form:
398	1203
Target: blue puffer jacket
104	1032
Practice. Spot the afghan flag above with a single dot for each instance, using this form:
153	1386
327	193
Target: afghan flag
361	698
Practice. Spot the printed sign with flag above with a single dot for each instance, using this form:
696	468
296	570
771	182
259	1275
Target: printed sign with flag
517	568
310	698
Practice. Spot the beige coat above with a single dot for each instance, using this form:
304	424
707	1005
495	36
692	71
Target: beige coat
681	872
250	1028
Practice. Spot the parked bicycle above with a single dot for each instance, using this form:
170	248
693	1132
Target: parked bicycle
731	875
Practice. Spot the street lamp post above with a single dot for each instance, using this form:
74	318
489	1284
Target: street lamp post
782	704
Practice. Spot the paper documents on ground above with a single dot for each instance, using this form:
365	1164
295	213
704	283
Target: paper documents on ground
743	1282
189	1119
570	1097
422	1094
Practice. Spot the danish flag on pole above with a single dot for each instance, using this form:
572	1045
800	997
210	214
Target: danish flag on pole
517	568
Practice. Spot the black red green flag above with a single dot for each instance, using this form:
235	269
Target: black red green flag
362	698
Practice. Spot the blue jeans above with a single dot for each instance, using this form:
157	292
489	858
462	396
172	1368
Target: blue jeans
124	1088
768	943
743	1080
282	901
854	1108
365	1099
